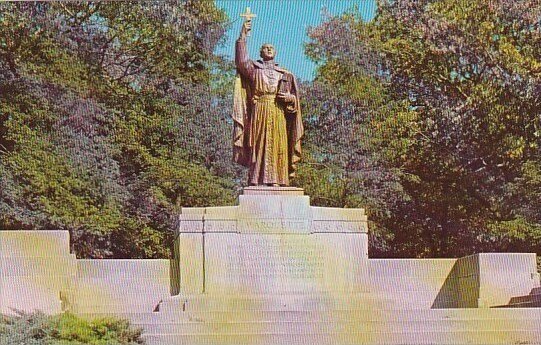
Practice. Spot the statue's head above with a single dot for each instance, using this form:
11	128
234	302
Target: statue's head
267	52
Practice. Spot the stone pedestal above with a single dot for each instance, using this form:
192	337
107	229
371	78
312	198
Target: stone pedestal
273	242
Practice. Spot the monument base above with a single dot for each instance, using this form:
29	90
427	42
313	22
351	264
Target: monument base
272	242
275	270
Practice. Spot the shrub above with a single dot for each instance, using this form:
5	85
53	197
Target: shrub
66	329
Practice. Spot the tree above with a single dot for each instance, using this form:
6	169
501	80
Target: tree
105	113
337	169
465	135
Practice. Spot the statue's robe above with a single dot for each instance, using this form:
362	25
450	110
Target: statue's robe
267	132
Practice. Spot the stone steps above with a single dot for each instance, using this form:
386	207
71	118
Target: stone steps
348	315
533	300
192	327
525	299
113	309
335	315
358	301
336	301
342	327
391	337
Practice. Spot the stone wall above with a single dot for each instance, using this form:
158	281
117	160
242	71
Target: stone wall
411	283
122	286
37	272
36	268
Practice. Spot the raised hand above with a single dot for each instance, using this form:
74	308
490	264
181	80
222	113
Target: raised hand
246	28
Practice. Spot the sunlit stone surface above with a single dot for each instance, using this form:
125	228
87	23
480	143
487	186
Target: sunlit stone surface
35	268
272	243
275	270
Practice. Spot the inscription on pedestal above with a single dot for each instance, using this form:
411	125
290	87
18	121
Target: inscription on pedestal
275	243
260	225
289	257
339	226
279	263
272	226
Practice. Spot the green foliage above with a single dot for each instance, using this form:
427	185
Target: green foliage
113	114
321	181
453	113
111	118
66	329
521	231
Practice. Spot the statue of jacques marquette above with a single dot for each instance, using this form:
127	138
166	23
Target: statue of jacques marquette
267	117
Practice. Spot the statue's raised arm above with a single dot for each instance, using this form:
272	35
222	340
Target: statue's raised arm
242	60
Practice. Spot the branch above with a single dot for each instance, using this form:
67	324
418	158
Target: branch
65	8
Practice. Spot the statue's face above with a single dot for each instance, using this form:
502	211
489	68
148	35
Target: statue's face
267	52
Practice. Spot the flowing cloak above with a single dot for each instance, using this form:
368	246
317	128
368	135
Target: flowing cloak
243	139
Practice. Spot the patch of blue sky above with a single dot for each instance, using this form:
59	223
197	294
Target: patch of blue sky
284	23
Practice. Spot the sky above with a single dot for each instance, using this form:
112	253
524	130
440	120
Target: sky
284	23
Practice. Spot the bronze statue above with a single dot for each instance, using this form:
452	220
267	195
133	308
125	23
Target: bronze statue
268	126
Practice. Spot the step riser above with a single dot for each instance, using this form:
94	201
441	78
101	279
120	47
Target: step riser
301	304
448	338
341	316
329	327
523	299
113	309
525	305
338	316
